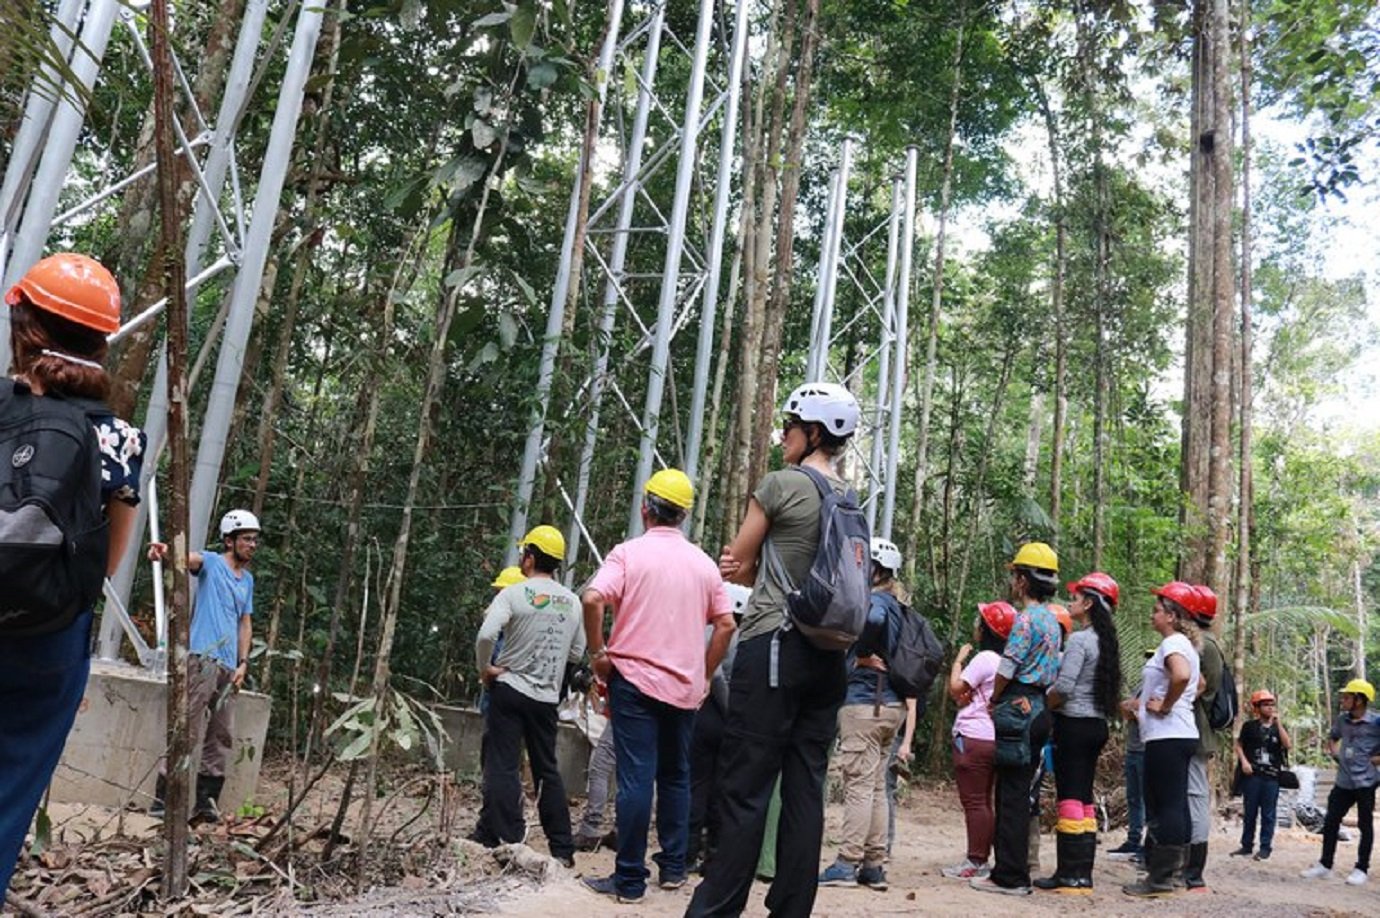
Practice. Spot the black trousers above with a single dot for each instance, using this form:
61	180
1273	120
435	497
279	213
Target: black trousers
1166	790
514	720
1078	741
782	731
1011	842
705	743
1339	803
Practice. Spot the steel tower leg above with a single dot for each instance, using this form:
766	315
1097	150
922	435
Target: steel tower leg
670	285
898	373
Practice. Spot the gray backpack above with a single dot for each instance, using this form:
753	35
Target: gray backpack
830	607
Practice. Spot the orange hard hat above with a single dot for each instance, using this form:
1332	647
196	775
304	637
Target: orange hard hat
1063	617
76	287
1261	697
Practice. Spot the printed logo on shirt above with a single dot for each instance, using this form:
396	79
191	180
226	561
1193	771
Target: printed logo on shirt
544	600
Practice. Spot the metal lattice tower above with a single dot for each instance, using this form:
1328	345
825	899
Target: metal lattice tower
878	377
689	279
224	235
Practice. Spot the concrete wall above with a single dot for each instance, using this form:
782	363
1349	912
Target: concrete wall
465	731
112	752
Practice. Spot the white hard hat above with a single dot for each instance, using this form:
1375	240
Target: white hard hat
828	404
739	596
885	553
238	521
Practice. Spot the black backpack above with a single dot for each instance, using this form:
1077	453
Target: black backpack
915	657
1225	704
53	532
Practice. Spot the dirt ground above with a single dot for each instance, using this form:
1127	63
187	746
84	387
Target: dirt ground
930	835
427	869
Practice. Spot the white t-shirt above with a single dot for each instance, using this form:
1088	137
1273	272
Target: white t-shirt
1178	723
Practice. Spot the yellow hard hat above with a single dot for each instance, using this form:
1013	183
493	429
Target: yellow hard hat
507	577
1360	687
673	486
547	540
1037	555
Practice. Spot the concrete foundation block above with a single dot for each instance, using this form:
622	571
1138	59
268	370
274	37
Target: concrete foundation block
112	753
465	732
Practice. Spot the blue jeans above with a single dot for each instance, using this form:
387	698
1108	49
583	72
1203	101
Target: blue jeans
651	747
42	680
1135	796
1258	796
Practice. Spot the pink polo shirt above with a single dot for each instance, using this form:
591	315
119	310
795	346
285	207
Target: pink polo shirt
664	590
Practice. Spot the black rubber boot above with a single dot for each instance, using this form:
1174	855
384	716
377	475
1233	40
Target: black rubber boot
1085	851
1066	873
1163	862
160	794
1193	870
208	789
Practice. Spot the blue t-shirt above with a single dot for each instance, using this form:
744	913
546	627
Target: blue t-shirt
880	633
221	598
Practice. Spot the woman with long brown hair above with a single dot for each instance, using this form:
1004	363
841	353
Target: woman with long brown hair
69	482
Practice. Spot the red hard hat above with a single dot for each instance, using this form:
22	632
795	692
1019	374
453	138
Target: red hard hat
999	616
75	287
1176	591
1260	697
1097	582
1204	606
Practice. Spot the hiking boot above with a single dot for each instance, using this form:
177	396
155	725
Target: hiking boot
207	809
839	873
1163	863
967	870
608	886
873	877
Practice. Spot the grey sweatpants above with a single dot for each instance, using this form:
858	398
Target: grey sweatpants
1199	808
599	787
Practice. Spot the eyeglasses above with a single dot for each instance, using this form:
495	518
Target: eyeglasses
788	424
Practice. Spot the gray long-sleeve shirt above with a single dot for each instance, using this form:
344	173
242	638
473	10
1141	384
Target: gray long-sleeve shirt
1077	671
543	628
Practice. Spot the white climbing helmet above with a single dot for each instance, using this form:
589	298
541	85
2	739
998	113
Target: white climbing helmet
739	596
238	521
824	403
885	553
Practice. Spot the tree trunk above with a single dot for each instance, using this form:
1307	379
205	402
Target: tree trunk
762	414
435	381
936	302
1056	302
754	168
1034	434
785	235
1218	572
1101	257
1245	487
179	613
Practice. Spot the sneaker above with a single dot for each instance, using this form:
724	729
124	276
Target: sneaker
967	870
985	884
1125	851
1357	877
671	880
1317	872
1262	855
1243	851
608	886
839	873
873	878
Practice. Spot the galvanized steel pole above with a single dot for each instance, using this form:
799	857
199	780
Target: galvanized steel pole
898	369
670	283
